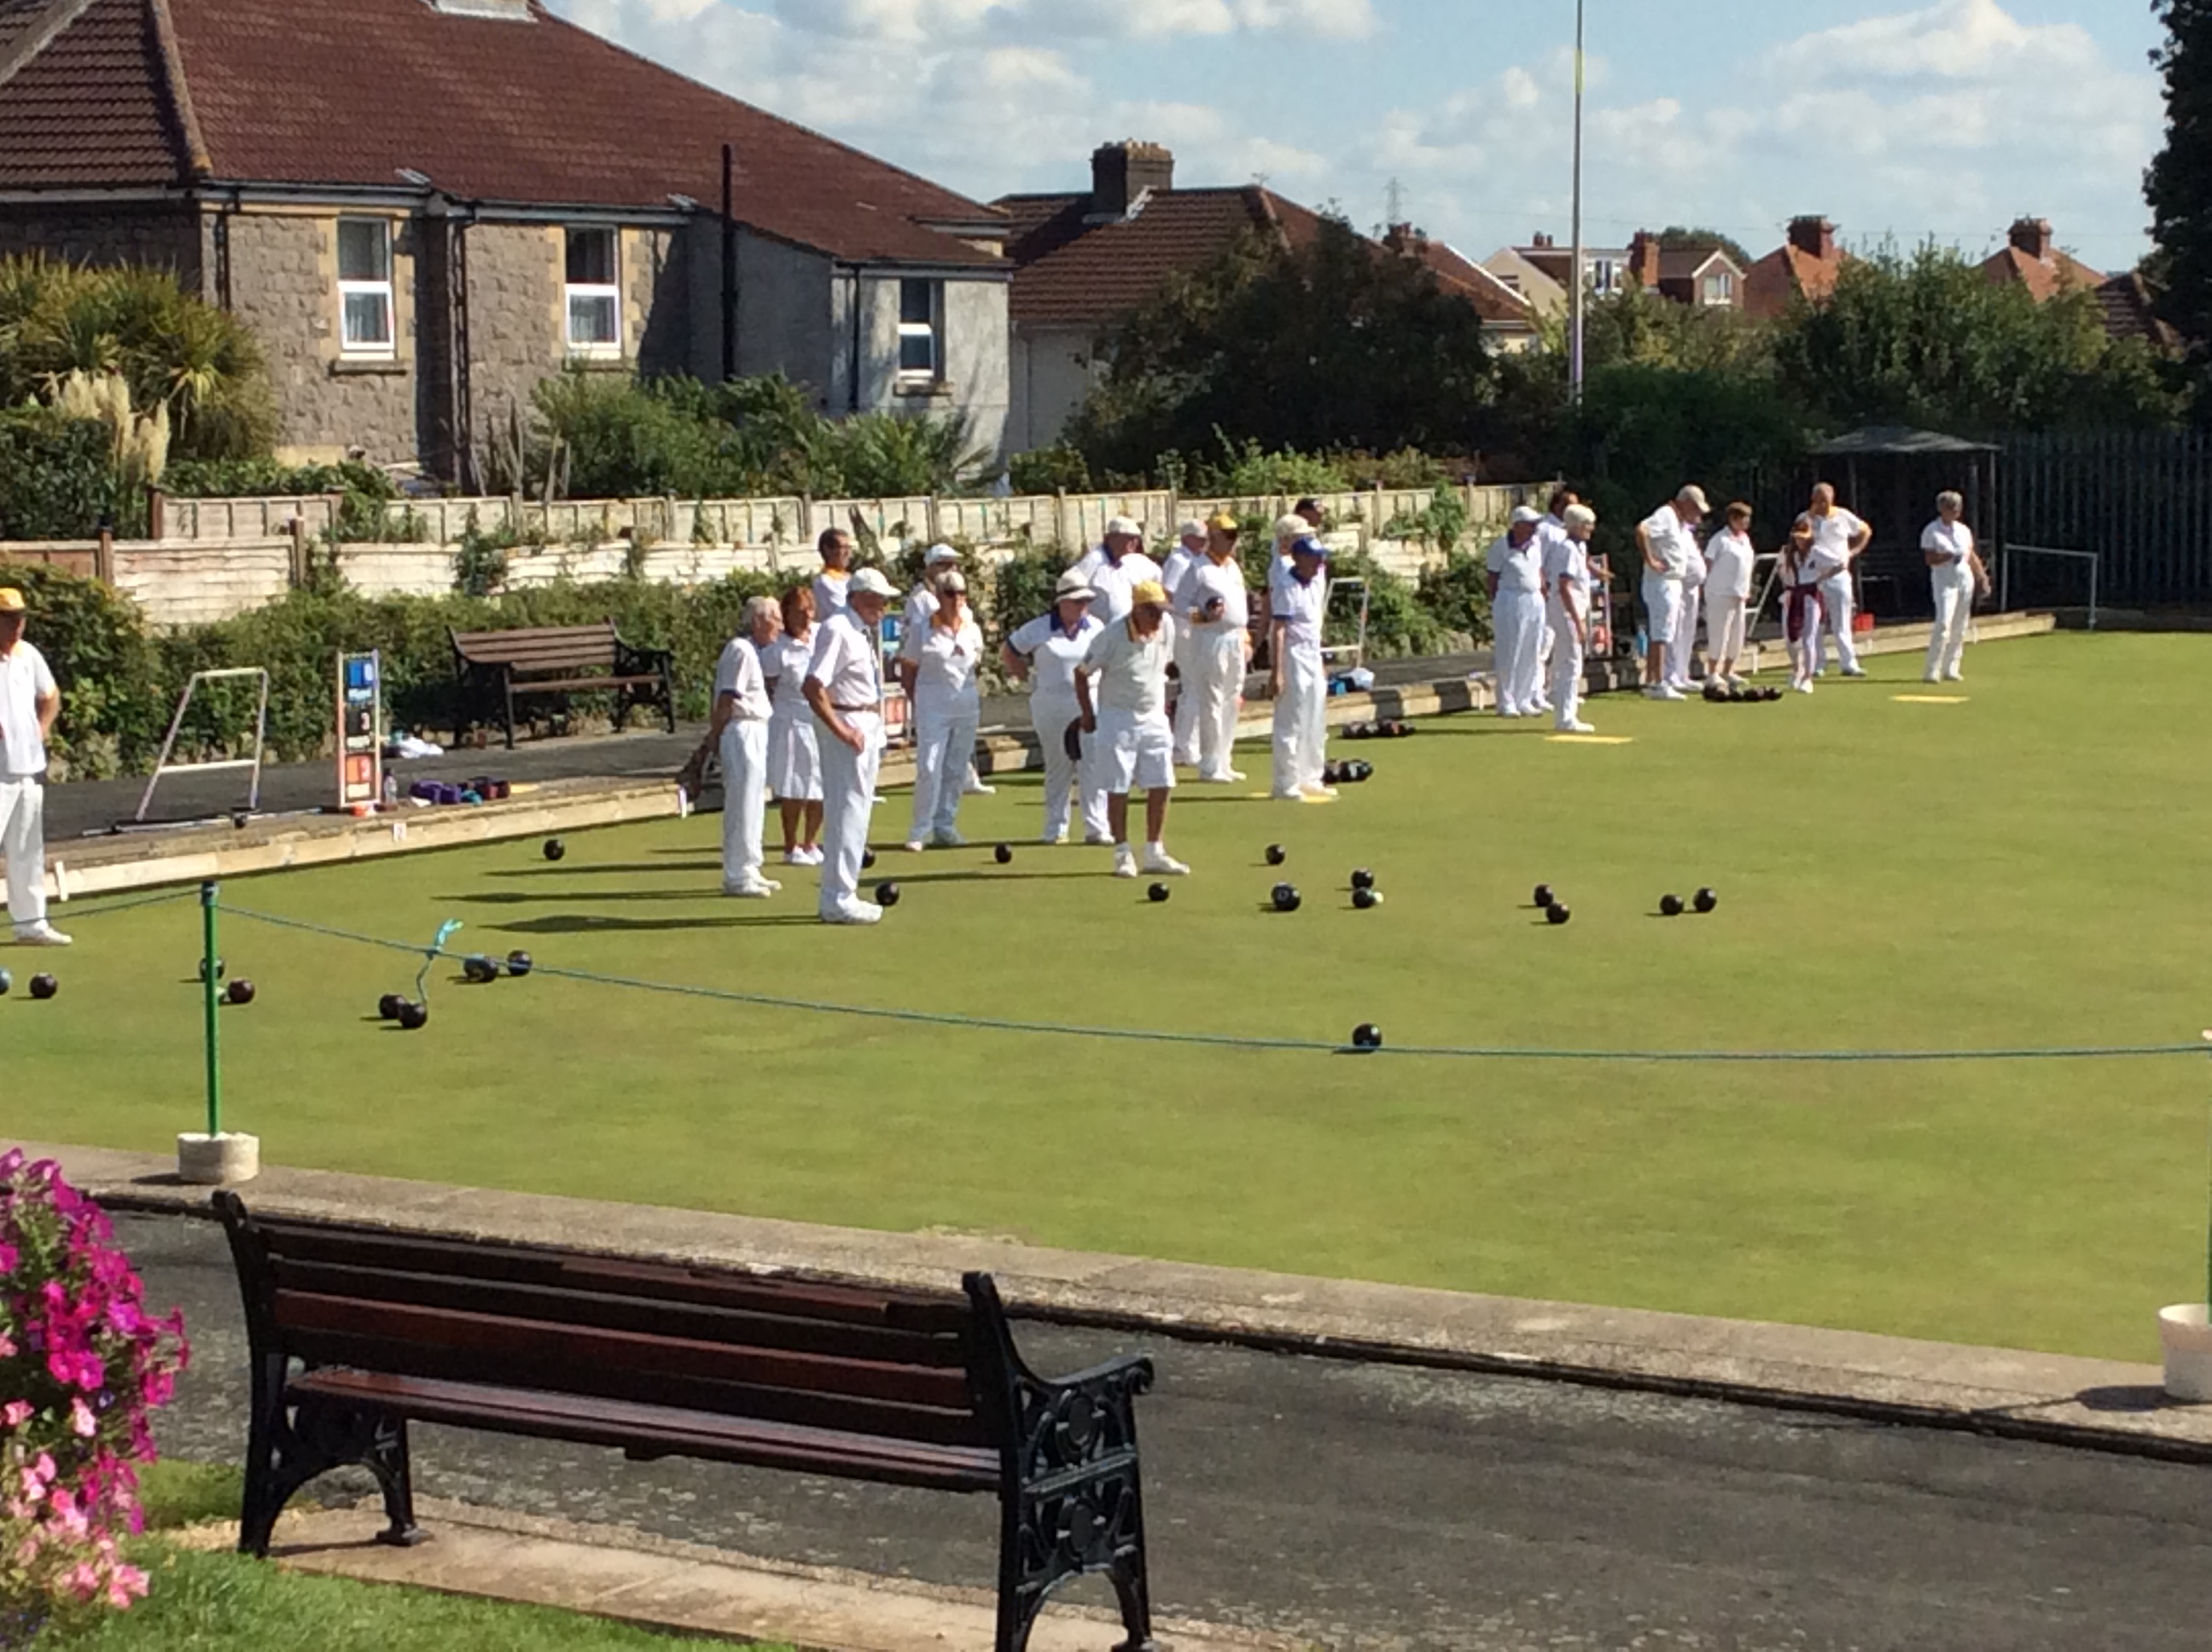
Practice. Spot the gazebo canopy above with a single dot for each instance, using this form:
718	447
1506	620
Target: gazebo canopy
1897	440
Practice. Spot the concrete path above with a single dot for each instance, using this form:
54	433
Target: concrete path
1351	1505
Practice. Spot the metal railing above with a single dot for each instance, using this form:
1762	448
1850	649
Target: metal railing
2094	558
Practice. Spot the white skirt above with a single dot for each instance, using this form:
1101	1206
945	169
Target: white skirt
794	761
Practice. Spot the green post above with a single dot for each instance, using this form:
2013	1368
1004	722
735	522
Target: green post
210	989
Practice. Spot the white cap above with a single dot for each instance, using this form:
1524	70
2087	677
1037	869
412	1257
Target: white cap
936	554
1193	528
1073	587
1694	496
1525	514
869	582
1122	524
1293	527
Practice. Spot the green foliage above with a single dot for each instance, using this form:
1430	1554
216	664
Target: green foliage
57	476
1049	470
479	561
364	516
97	642
1332	346
1928	340
1022	587
1455	594
202	363
1676	238
1398	624
2179	185
1248	469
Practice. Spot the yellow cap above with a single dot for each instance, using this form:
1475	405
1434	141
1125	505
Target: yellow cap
11	600
1224	522
1148	594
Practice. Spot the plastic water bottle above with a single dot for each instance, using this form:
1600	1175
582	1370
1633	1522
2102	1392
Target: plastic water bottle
391	790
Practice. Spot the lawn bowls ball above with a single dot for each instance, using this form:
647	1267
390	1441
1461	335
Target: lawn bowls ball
1003	854
1558	913
204	968
1158	893
1362	879
413	1017
555	848
1366	899
1367	1036
1671	905
388	1007
1542	898
1285	897
44	987
1276	854
519	964
887	895
239	992
1704	900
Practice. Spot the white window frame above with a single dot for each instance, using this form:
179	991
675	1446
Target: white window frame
388	348
609	292
932	330
1717	288
1604	273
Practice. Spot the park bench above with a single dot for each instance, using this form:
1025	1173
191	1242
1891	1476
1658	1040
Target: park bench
355	1331
494	668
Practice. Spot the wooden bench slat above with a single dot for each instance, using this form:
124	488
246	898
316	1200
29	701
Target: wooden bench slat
572	1304
489	1334
590	628
655	1429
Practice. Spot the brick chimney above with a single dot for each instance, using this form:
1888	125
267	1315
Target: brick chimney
1815	237
2032	237
1120	172
1643	260
1404	237
1541	239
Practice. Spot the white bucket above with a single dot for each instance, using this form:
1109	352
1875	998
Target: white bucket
206	1161
2188	1341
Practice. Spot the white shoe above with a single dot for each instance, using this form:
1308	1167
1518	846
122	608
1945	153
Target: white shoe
1507	711
1236	775
1802	686
1292	795
949	840
1053	840
913	846
814	856
1542	708
1855	672
752	888
980	788
1096	840
1931	677
1157	859
1124	861
854	912
1664	691
1952	676
1318	791
1576	727
797	858
42	934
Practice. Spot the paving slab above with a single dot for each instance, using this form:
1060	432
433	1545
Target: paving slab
2108	1404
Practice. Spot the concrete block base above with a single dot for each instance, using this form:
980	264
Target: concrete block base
206	1161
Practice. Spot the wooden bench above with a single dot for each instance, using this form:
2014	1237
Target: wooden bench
357	1331
492	668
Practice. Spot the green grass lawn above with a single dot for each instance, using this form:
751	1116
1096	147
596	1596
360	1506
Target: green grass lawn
2027	867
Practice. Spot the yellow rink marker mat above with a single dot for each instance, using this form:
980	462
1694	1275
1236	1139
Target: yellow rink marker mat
1589	739
1931	699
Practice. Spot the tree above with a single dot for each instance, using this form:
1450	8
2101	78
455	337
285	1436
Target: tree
2178	183
1929	340
1675	238
1335	346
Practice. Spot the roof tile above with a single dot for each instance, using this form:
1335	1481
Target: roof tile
90	111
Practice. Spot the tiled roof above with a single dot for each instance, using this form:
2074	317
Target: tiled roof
2131	312
1497	304
1787	271
1071	272
91	109
1683	263
541	112
2043	277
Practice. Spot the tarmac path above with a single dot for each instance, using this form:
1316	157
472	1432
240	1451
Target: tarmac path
1380	1507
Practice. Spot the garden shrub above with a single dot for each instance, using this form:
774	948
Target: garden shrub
56	478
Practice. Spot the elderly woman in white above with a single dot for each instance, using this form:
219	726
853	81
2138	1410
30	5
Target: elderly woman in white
739	731
794	760
1955	571
947	706
1047	653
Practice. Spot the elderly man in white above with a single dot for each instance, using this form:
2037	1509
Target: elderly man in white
29	702
1176	572
1956	573
1839	538
1049	652
1114	565
1217	611
1297	612
1667	539
739	731
845	687
1123	692
1567	583
947	706
1514	574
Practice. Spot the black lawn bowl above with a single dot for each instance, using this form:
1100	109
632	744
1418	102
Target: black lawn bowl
867	859
1704	900
1285	897
7	983
1003	854
1558	913
388	1006
1366	899
1362	879
44	987
1770	693
555	848
1158	893
887	895
519	964
1357	731
1714	693
1331	773
202	973
1276	854
413	1017
239	991
1367	1036
1737	693
479	968
1671	905
1542	898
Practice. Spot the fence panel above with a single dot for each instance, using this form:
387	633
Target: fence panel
2142	499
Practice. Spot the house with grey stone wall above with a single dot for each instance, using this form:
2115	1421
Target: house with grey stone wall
426	208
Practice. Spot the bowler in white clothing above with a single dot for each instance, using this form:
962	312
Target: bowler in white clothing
1839	538
1114	566
1668	541
1049	652
1175	579
1217	613
1515	576
941	678
1729	558
29	702
794	759
1123	691
742	710
1568	582
844	686
1298	607
1955	575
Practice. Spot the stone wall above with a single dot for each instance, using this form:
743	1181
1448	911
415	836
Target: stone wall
161	235
517	324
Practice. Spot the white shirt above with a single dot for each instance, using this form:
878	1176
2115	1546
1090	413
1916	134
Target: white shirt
845	662
1729	555
1209	579
24	677
739	673
830	591
1132	671
920	604
1112	581
786	663
1567	572
1054	654
1300	608
1518	568
1955	540
945	663
1694	568
1831	539
1176	572
1672	543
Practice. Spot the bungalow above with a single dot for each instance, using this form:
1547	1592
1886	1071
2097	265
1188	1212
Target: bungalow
424	208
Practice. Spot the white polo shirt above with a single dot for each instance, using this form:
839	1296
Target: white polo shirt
945	663
920	604
1831	539
1112	581
1301	609
845	662
1054	655
1955	540
739	673
829	593
1519	569
1672	542
24	678
1132	671
1730	555
1209	579
1176	572
1567	572
785	662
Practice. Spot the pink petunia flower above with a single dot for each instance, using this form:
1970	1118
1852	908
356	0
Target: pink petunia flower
82	1423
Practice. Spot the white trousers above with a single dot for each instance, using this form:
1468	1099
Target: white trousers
1954	611
23	840
1516	625
1724	619
848	794
943	745
1186	706
1301	722
1836	597
1686	636
744	795
1566	667
1217	666
1049	715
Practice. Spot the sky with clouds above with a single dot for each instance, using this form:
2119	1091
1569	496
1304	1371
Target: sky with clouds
1947	118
